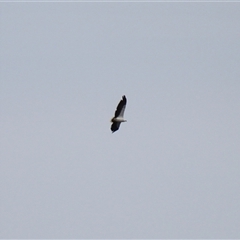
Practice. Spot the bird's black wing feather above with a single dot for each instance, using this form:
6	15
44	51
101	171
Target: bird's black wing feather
115	126
121	104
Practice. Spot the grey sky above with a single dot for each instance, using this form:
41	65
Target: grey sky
171	171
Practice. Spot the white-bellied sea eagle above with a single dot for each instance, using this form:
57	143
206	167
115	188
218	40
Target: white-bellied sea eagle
118	117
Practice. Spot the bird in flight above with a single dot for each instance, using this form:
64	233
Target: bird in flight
118	117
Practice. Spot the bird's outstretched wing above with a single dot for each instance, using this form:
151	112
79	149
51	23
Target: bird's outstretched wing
121	107
115	126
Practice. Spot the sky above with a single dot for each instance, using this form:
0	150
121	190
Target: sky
171	171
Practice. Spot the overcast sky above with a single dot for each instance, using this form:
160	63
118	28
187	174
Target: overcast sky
171	171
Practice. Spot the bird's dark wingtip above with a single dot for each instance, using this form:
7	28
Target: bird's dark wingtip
124	98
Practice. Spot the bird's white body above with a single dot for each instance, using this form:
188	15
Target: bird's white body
118	119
